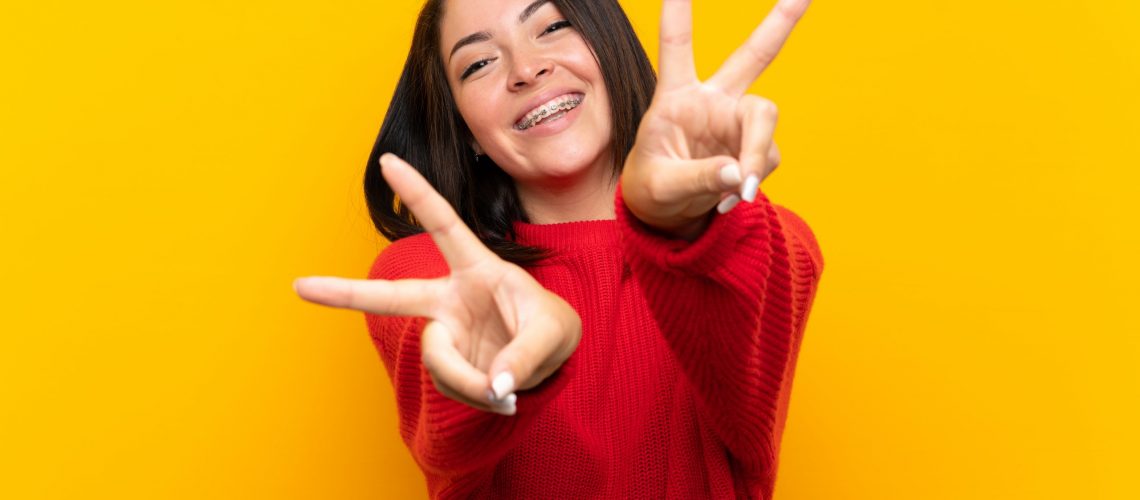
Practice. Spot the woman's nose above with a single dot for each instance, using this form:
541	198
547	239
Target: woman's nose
527	72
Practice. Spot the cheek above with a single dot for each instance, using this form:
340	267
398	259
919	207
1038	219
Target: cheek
601	110
582	59
586	67
483	116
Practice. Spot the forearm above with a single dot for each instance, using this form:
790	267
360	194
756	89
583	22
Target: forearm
725	303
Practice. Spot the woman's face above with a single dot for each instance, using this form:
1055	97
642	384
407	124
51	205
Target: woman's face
528	87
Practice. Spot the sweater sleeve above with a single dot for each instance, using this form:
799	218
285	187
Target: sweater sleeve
451	441
732	305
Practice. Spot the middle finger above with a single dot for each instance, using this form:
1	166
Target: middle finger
410	297
746	64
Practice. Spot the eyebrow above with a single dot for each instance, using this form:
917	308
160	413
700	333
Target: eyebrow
484	36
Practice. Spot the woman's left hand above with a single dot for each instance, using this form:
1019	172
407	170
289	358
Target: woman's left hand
699	141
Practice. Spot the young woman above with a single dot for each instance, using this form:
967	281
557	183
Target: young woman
574	304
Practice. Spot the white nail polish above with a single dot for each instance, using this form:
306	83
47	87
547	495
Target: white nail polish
507	405
751	186
726	204
730	175
503	384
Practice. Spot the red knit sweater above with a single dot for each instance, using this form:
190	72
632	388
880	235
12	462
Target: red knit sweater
678	389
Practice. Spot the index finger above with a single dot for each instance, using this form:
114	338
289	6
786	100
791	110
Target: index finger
746	64
676	49
459	246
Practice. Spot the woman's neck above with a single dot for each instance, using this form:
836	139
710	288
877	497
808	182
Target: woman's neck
589	196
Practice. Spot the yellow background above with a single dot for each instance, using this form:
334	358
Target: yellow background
969	169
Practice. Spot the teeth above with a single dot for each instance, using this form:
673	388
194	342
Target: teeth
563	103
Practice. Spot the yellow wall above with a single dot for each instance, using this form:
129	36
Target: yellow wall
970	170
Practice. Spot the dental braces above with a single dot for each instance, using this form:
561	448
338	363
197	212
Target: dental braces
547	111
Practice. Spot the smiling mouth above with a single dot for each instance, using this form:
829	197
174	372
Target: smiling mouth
551	110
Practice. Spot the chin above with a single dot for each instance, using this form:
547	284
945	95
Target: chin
562	163
565	155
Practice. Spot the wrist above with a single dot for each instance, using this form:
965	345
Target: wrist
675	227
688	231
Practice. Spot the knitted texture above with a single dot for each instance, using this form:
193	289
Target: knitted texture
679	387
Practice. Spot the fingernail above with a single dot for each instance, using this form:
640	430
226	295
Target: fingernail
503	384
751	185
295	281
730	175
726	204
510	399
507	406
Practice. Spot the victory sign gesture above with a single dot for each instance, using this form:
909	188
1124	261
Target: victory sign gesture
700	141
488	318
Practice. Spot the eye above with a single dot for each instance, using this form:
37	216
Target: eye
557	26
476	66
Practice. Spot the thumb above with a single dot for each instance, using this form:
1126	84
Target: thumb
527	360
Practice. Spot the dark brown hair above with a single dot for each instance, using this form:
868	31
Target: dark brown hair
424	127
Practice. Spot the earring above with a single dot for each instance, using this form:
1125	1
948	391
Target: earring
478	157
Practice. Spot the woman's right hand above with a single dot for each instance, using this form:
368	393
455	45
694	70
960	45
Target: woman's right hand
490	326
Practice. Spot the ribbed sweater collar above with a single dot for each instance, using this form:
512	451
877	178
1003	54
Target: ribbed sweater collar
585	235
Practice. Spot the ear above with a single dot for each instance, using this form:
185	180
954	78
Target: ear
476	147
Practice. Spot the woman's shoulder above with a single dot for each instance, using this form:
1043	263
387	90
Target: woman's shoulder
409	257
795	225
